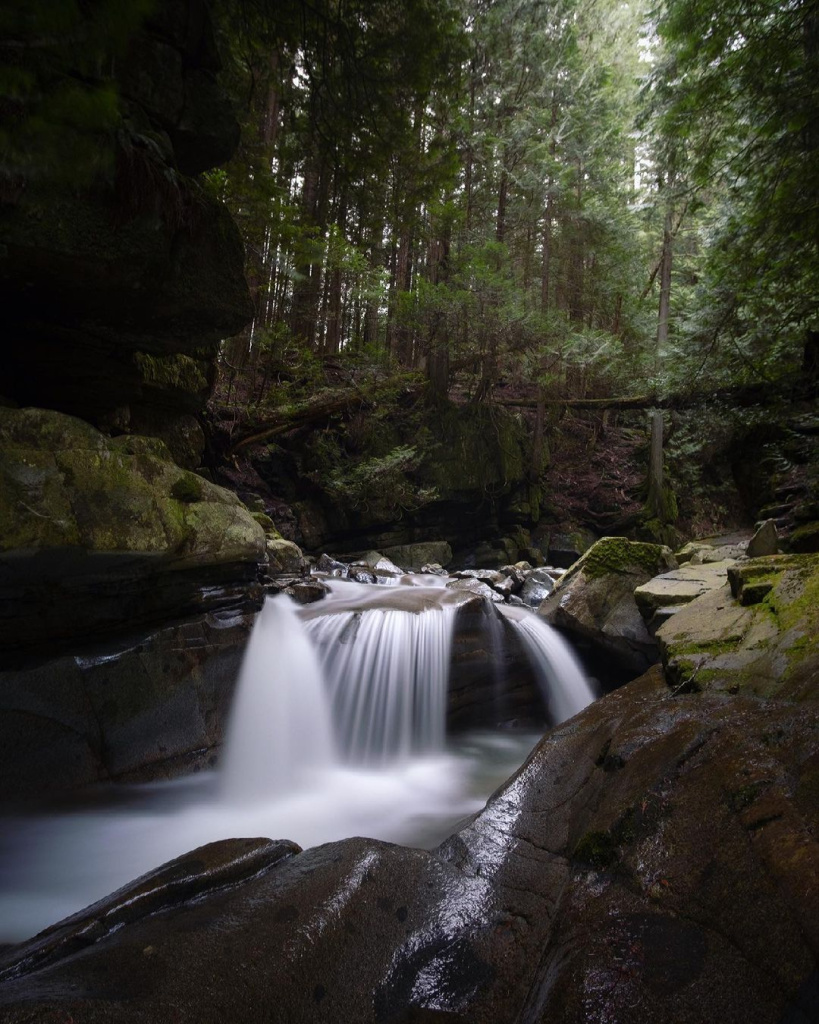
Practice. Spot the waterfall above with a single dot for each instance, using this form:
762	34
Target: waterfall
279	729
362	678
387	672
565	688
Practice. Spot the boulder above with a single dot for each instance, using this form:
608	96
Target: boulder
331	566
147	705
101	533
758	633
805	538
477	587
491	681
654	860
414	556
536	587
594	600
566	548
764	541
284	555
699	552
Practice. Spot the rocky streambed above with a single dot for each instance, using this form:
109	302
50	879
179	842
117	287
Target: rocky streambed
656	858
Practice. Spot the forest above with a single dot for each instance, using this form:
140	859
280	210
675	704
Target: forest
409	511
518	204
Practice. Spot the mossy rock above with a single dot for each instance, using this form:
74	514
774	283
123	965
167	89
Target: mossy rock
594	601
65	485
617	555
805	539
758	636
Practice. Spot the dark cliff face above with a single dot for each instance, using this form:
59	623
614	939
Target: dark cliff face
118	281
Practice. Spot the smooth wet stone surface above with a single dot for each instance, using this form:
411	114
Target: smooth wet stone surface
654	860
150	705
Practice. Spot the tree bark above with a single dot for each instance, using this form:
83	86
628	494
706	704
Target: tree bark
655	502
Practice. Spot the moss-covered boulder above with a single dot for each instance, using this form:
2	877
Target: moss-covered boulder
81	512
758	633
594	601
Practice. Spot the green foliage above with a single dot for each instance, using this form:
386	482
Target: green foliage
736	102
383	486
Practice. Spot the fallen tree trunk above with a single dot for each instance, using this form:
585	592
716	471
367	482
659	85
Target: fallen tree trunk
304	416
640	402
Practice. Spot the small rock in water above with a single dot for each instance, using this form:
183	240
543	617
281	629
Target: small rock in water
331	566
476	587
490	576
361	575
433	569
507	586
385	565
538	585
307	593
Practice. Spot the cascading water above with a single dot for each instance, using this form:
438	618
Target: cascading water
279	730
374	661
386	672
565	689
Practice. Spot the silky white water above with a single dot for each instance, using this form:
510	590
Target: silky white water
564	687
337	730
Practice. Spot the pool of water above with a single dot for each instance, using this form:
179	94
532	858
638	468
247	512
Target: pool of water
56	859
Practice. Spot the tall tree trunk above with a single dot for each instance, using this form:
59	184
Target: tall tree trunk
664	312
503	191
655	502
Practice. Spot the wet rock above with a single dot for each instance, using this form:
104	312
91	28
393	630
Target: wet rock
642	865
331	566
764	541
488	576
307	592
536	587
594	600
506	586
144	706
433	569
758	635
360	575
477	587
491	681
186	878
